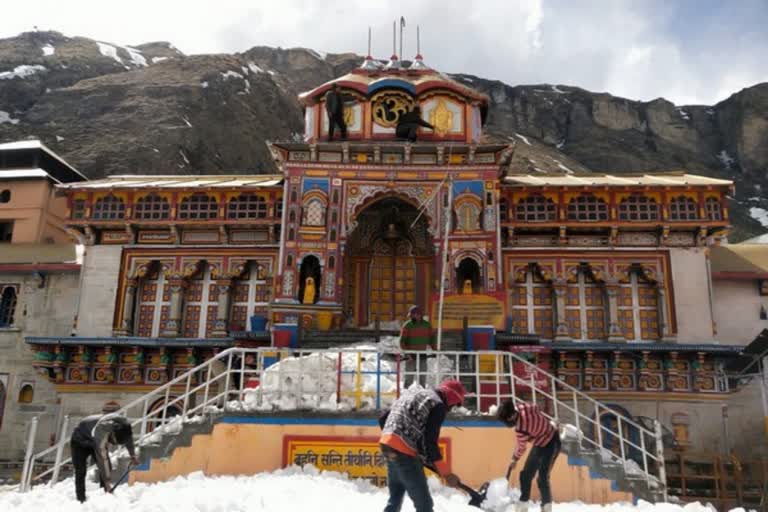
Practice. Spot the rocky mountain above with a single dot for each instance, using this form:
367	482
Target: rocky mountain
150	109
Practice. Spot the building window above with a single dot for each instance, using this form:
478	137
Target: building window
713	208
78	209
5	196
335	197
488	199
289	261
683	208
536	209
153	303
109	208
152	207
532	306
314	213
331	262
200	304
251	293
291	235
7	304
279	209
503	210
199	207
293	195
6	231
333	235
247	206
585	308
26	393
587	207
638	208
638	308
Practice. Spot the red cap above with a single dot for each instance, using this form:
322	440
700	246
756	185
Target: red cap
453	391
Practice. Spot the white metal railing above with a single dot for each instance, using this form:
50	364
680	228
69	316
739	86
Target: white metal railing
243	379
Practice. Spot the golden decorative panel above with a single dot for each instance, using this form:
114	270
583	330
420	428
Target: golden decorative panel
388	106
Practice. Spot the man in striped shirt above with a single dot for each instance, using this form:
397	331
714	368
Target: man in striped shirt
532	426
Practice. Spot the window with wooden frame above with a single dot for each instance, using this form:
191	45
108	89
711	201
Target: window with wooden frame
8	298
638	308
251	293
638	207
247	206
587	207
503	210
109	207
26	393
200	304
78	209
532	306
585	308
279	209
714	208
153	302
199	207
683	208
152	207
536	208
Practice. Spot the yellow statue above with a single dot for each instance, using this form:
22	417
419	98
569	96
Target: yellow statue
467	287
309	291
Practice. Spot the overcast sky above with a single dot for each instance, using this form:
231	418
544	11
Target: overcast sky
688	51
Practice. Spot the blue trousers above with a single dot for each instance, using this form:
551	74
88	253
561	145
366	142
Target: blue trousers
406	474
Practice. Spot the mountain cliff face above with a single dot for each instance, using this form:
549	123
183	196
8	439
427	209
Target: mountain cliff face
149	109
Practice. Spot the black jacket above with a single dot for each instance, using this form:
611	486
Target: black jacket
97	432
429	451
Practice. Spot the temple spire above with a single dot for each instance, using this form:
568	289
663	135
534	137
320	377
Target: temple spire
369	64
418	61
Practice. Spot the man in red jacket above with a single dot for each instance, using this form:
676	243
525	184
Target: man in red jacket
530	424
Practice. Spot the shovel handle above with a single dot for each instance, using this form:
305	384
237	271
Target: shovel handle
509	471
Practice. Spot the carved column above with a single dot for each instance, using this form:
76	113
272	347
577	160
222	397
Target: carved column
220	328
173	326
129	302
560	287
664	324
615	334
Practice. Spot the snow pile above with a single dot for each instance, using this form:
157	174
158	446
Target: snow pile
683	114
23	71
5	117
48	50
760	215
312	381
155	60
136	56
110	51
288	490
232	74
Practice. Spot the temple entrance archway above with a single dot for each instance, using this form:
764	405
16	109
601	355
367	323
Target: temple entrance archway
388	263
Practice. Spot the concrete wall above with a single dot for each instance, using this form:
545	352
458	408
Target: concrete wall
477	453
101	268
37	214
737	311
46	310
691	282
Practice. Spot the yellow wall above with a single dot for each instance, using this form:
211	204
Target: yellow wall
36	213
477	454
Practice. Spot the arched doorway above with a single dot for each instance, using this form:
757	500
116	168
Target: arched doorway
310	275
468	278
388	263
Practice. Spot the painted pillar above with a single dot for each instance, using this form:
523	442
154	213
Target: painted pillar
220	328
560	286
173	326
615	333
126	324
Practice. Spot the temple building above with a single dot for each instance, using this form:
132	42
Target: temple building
602	279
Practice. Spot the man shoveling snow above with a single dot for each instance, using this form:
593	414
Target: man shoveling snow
410	431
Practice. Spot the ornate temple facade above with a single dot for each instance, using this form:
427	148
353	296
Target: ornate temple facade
606	276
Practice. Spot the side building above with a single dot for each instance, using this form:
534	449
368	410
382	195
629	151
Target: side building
39	283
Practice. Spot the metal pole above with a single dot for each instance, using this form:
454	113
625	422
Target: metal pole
764	392
444	263
26	471
660	457
60	450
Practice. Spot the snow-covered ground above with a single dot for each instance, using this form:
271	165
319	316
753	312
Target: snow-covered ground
288	490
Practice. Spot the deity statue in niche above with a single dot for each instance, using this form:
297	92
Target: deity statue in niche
467	287
309	291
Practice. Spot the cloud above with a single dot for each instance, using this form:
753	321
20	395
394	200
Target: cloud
688	52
